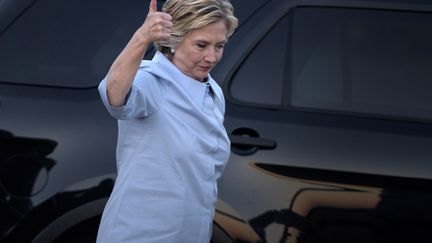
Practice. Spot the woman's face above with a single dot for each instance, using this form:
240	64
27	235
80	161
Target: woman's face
201	49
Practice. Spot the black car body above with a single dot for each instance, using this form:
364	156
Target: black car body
328	108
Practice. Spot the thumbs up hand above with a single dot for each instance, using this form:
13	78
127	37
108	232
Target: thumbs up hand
156	27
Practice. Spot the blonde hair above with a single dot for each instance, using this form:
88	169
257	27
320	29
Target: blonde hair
188	15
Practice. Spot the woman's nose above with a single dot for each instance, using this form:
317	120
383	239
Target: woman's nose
210	55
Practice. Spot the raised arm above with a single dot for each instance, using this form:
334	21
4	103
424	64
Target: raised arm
156	27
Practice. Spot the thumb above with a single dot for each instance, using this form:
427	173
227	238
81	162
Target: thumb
153	6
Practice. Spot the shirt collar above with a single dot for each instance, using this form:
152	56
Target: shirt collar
165	69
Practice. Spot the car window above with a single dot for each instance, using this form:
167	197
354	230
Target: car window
364	61
244	11
67	43
260	78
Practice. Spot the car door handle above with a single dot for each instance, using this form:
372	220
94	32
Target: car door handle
257	142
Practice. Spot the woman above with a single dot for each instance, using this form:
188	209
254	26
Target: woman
172	146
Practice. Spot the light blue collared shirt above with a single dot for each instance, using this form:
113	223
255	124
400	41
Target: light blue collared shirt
171	149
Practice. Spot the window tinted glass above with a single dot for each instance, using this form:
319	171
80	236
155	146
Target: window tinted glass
260	78
67	43
359	60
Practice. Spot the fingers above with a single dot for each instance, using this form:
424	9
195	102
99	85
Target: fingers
157	26
166	16
162	28
153	6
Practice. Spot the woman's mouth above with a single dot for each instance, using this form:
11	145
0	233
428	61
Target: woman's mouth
206	68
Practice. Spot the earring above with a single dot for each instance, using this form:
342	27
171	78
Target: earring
172	50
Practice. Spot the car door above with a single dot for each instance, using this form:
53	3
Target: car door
324	112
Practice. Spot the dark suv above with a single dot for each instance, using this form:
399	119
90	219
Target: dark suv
329	110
